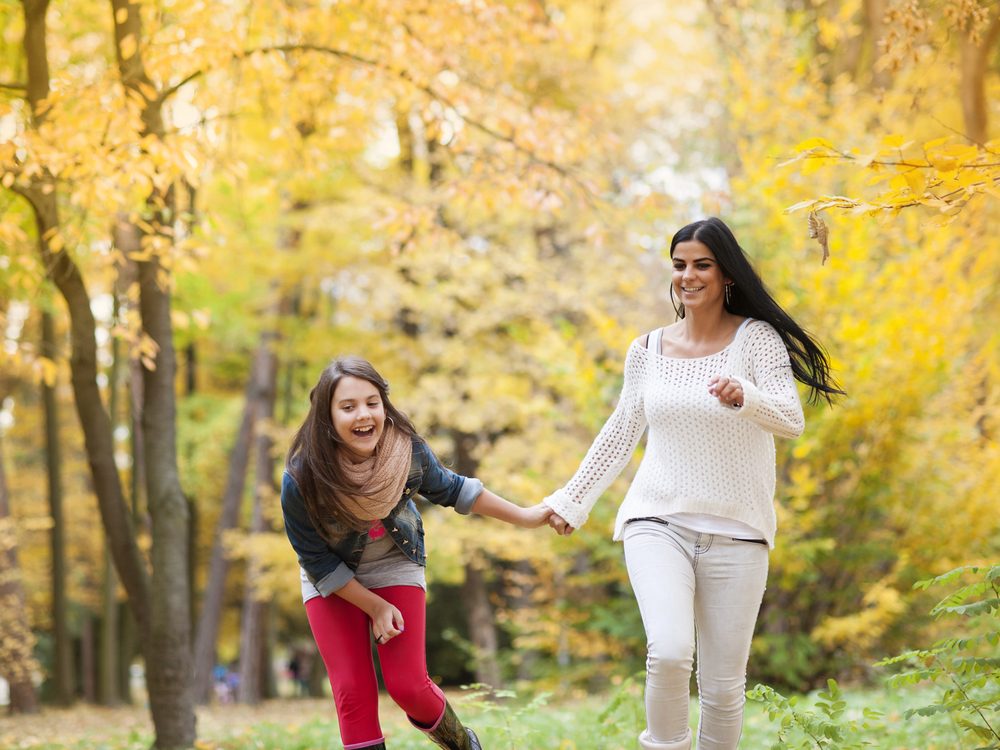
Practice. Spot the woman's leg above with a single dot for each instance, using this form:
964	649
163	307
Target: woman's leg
343	635
404	658
659	562
731	576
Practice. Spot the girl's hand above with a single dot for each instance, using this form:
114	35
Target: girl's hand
387	622
558	523
535	516
728	391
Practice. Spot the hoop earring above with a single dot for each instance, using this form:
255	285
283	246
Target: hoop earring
728	294
389	419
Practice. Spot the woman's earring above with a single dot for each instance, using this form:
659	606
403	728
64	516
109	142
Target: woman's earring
728	294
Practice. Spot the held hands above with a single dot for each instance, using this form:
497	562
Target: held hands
728	391
533	517
558	523
387	622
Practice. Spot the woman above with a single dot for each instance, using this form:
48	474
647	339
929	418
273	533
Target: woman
352	472
698	519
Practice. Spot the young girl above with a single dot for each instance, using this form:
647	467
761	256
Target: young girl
698	519
347	495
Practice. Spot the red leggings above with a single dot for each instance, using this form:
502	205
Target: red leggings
343	635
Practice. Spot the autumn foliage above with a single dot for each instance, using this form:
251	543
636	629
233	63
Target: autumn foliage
477	196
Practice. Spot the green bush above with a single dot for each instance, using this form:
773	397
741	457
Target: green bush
967	667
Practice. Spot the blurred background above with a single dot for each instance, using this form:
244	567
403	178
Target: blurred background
203	203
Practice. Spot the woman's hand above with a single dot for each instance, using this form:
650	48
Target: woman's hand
558	523
728	391
387	621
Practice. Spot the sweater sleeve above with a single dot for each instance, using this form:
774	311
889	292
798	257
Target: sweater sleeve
611	449
770	397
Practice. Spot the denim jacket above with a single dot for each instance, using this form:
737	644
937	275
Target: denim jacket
331	566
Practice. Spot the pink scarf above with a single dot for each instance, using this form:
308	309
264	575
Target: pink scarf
380	478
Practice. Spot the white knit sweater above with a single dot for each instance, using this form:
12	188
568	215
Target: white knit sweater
701	456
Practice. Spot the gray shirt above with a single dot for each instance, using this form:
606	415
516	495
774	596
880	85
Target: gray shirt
382	564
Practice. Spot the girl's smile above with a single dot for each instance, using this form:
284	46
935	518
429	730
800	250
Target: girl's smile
358	415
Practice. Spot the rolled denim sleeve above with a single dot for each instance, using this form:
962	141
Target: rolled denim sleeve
322	566
444	487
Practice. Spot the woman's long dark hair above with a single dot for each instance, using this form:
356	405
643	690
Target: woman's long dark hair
749	298
313	459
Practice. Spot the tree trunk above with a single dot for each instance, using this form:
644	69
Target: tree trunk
168	658
62	645
975	63
88	660
169	676
482	626
482	623
109	692
108	687
127	241
61	269
253	642
17	660
215	589
874	18
521	588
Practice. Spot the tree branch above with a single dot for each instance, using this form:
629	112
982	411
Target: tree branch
407	77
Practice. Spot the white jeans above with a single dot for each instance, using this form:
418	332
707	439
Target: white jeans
690	584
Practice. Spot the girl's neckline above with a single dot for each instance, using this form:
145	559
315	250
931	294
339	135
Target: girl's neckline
659	335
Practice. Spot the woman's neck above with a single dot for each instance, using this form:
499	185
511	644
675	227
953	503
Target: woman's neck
707	326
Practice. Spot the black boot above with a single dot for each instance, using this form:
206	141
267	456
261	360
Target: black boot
449	733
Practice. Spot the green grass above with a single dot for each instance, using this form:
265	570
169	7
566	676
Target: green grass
610	721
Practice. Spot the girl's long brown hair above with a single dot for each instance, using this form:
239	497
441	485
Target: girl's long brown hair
313	459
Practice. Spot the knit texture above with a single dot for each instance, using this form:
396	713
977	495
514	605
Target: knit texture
701	456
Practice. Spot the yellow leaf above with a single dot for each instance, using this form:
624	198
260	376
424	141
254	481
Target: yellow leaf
968	178
127	46
8	179
893	141
799	206
936	142
942	162
898	182
963	153
813	165
49	371
830	32
121	15
811	143
917	181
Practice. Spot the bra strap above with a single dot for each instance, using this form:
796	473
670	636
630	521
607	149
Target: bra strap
653	343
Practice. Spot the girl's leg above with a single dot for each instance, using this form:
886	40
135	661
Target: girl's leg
731	576
404	659
660	567
343	635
